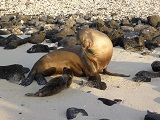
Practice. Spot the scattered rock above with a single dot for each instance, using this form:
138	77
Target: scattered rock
141	79
13	73
98	85
72	112
68	41
156	66
130	33
40	48
153	20
103	119
152	116
109	102
37	38
11	42
147	74
4	32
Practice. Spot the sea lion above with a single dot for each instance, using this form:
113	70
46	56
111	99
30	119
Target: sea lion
89	58
55	85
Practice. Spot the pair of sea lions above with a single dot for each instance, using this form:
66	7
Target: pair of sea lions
87	59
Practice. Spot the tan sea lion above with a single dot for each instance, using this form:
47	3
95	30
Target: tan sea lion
55	85
89	58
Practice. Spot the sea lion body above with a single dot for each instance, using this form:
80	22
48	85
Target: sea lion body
89	58
64	57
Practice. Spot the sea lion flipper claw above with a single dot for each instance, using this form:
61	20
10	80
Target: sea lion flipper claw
26	82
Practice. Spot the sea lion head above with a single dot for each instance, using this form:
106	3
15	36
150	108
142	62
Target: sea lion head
85	38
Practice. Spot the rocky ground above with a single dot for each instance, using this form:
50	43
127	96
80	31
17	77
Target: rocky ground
133	24
107	9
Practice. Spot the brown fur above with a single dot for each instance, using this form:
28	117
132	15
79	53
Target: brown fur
89	58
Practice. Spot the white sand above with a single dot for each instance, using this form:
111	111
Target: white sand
137	97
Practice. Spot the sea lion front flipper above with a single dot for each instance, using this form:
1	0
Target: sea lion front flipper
27	81
40	79
114	74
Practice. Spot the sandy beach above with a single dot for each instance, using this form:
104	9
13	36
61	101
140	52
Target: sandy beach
136	98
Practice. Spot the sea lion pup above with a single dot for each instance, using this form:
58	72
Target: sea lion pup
89	58
55	85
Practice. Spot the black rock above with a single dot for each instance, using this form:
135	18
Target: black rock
72	112
152	116
37	37
109	102
147	74
151	45
156	66
103	119
13	73
141	79
38	48
11	42
98	85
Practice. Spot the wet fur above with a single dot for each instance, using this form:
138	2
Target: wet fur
55	85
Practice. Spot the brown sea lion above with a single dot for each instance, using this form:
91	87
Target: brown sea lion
55	85
89	58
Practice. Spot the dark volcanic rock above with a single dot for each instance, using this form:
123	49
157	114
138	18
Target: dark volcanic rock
66	31
40	48
147	74
151	45
156	66
37	37
68	41
153	20
149	33
11	42
116	36
132	41
125	22
4	32
152	116
109	102
98	85
13	73
141	79
156	39
113	24
70	23
72	112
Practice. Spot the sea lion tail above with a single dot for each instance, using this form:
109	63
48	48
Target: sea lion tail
115	74
31	95
37	94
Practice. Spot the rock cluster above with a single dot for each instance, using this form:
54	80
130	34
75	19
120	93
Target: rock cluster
116	9
130	33
145	76
13	73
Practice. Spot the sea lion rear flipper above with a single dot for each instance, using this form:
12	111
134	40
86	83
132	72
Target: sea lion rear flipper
114	74
40	79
